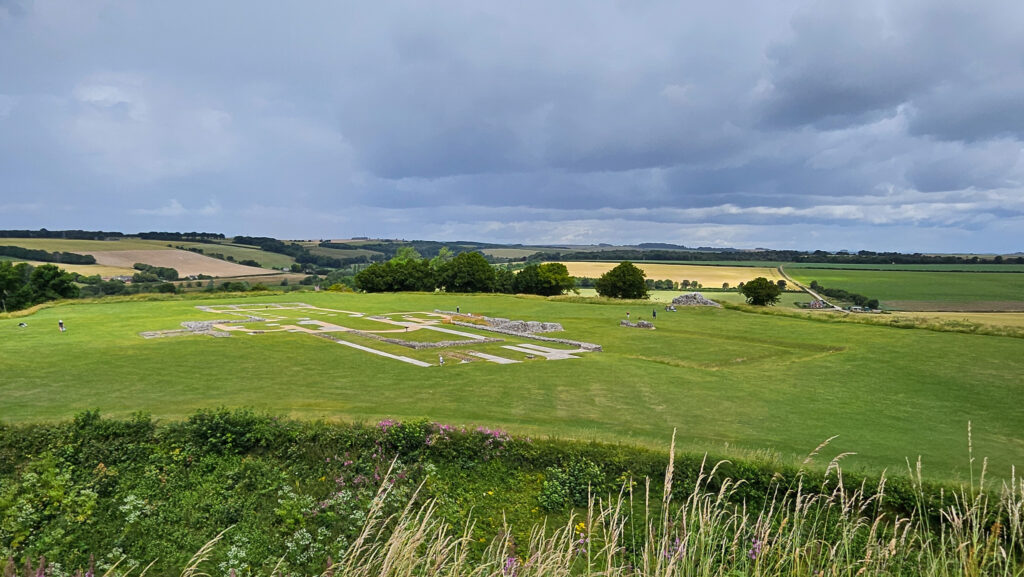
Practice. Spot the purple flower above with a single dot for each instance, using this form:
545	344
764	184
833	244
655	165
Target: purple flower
755	549
678	549
511	567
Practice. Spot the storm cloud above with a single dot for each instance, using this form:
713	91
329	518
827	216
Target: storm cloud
880	124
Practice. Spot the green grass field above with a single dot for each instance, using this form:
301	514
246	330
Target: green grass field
341	253
266	259
731	382
921	290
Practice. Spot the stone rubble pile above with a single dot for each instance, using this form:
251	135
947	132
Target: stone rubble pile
637	324
694	300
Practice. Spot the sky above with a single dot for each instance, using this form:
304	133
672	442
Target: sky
877	125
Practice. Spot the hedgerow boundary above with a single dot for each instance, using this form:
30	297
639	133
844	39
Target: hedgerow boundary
296	494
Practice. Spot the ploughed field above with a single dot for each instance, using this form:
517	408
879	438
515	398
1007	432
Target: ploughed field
730	381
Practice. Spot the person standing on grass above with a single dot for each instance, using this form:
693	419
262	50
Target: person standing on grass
654	314
60	325
627	315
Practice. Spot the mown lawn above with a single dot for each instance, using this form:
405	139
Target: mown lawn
731	382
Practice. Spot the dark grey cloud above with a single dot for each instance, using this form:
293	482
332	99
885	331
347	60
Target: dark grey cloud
876	124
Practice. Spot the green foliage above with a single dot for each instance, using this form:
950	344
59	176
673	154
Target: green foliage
22	286
625	281
571	485
45	256
149	273
761	292
468	272
298	492
548	279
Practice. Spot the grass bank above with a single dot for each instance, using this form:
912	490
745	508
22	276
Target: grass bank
261	495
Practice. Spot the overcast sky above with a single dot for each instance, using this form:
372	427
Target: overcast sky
838	125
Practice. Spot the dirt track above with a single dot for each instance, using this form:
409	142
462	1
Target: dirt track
186	263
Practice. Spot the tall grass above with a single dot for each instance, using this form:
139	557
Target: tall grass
900	322
696	530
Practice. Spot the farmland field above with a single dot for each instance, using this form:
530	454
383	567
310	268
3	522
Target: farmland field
730	381
1008	319
710	276
82	246
267	259
83	269
185	262
341	253
951	291
787	298
509	252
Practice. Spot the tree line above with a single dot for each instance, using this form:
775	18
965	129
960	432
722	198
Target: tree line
845	296
46	256
465	272
66	234
818	256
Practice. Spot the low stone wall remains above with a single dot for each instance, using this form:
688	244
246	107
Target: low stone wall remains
418	345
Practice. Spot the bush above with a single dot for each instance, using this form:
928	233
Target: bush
570	485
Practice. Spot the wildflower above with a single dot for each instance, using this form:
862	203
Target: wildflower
677	549
755	549
511	567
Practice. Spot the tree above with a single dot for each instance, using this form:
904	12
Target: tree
468	272
13	284
444	256
405	254
504	281
725	286
781	284
623	282
761	292
547	279
51	283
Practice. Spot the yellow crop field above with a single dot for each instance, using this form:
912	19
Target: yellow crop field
709	276
83	246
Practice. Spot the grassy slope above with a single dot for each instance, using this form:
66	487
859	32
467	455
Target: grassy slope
919	286
266	259
720	376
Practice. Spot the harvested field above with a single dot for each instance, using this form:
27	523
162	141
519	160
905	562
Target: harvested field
84	246
709	276
186	263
